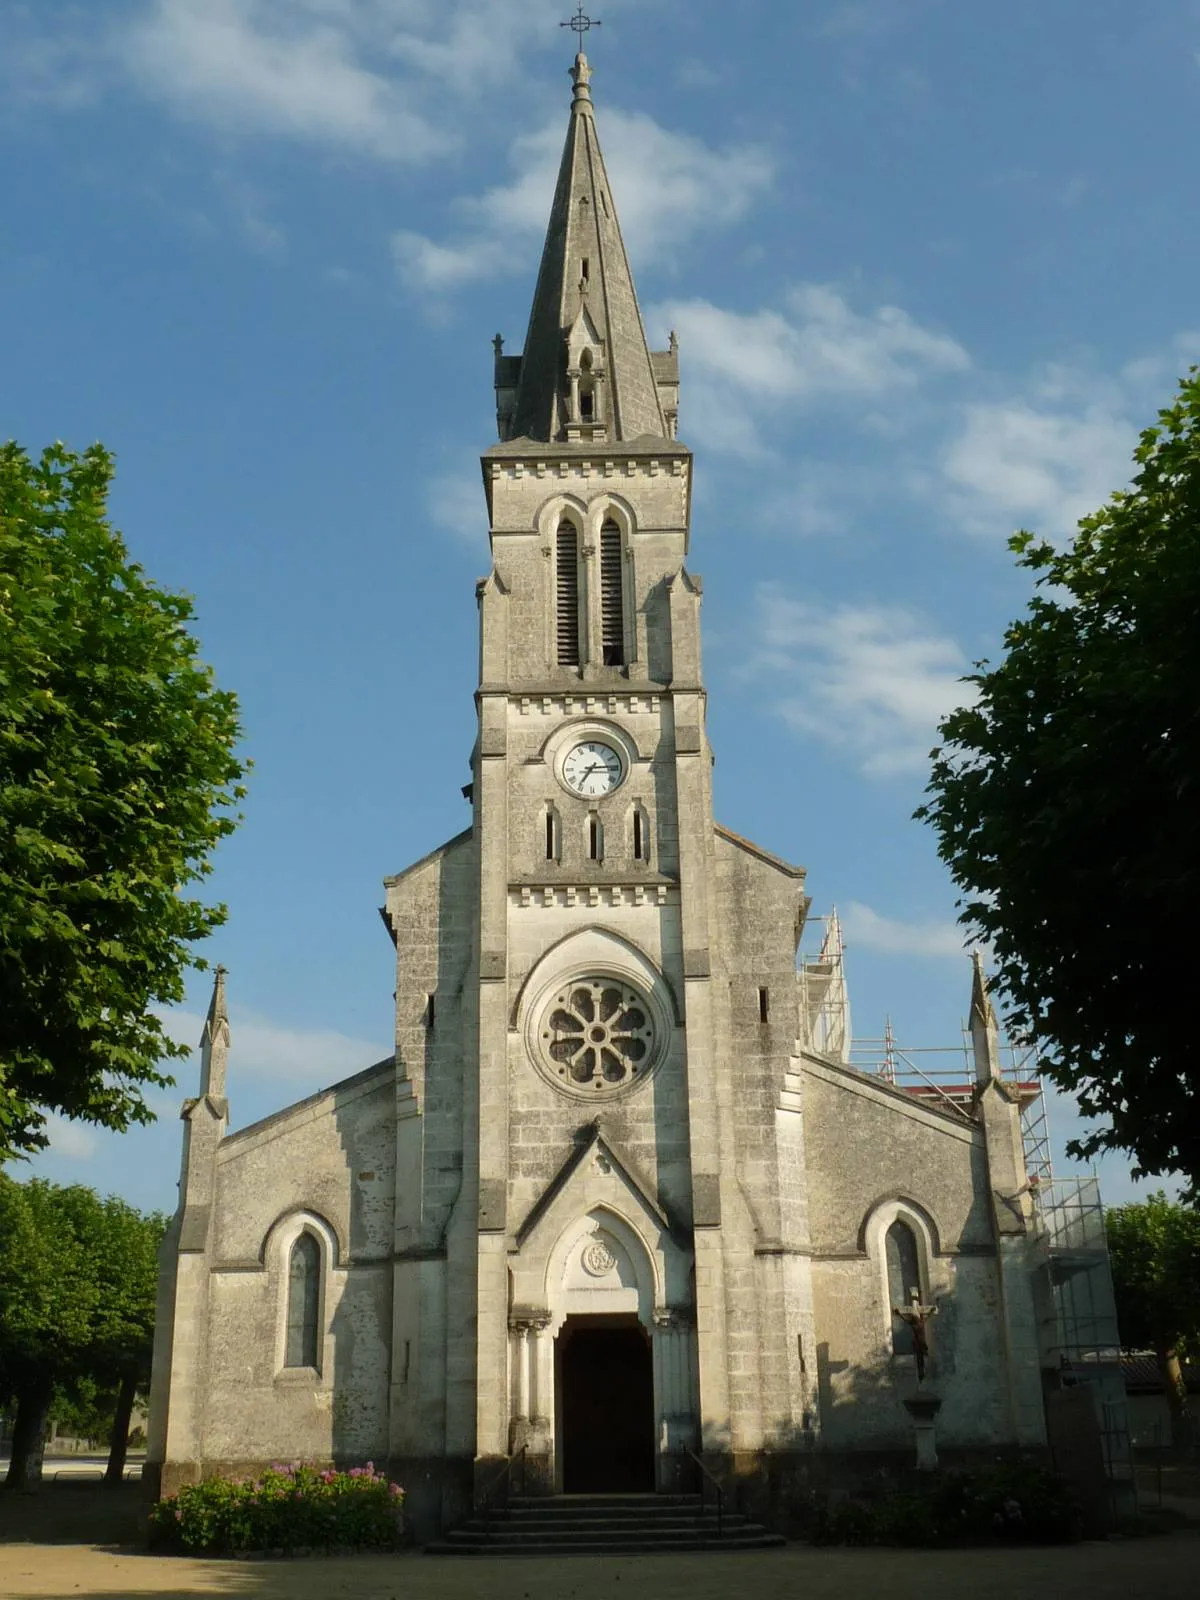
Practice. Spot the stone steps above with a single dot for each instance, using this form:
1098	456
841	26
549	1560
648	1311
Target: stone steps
610	1524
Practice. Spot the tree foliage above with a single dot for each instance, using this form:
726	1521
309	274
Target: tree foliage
1154	1248
78	1279
1066	801
117	778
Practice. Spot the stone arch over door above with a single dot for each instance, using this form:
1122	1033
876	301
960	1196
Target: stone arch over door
593	1267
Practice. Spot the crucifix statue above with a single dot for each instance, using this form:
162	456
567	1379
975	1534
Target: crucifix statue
916	1316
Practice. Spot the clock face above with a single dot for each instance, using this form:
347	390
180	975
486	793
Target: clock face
592	769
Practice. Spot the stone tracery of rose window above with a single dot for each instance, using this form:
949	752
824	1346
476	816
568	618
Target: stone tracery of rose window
597	1031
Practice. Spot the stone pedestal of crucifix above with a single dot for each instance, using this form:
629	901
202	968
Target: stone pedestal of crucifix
923	1408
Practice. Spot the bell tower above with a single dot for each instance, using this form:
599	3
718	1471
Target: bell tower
592	799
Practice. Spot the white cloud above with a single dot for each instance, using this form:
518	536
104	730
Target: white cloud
392	79
262	1049
297	70
456	503
816	348
424	264
870	930
387	78
1043	469
74	1141
871	680
1056	451
668	186
246	205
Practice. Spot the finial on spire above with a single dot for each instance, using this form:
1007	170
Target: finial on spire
581	73
214	1041
580	23
581	77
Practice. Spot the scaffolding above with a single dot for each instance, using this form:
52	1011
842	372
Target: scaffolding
1078	1338
824	1000
944	1076
1078	1334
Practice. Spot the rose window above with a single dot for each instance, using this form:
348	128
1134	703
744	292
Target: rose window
598	1033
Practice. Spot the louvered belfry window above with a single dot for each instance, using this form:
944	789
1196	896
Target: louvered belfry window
567	579
612	603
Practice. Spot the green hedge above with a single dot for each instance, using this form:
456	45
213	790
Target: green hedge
287	1508
1013	1503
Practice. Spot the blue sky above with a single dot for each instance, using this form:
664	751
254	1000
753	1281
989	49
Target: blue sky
932	265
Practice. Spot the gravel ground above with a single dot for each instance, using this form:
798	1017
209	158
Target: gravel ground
1161	1568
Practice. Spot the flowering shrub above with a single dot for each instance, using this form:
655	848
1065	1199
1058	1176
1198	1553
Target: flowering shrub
287	1508
1010	1503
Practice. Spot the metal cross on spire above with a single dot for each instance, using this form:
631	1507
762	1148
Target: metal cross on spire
580	23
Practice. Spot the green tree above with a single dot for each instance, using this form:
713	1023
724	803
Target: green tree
117	778
1066	801
1154	1247
78	1277
124	1342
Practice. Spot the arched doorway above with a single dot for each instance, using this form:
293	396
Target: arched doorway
605	1383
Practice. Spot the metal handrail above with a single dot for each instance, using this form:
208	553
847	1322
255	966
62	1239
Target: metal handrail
501	1477
720	1493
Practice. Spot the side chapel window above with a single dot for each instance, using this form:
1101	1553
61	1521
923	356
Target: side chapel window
304	1302
567	594
612	596
903	1276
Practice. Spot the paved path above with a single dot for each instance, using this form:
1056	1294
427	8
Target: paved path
1162	1568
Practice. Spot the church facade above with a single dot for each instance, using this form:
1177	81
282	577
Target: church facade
618	1196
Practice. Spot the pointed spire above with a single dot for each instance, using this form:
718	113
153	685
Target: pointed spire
214	1041
586	372
985	1030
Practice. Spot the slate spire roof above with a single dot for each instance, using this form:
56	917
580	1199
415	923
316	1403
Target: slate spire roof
584	297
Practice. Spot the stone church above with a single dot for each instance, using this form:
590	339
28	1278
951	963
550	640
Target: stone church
618	1195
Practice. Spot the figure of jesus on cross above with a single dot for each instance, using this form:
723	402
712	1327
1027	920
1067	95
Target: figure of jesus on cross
916	1316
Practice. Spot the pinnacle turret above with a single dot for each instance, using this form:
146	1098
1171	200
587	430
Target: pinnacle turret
214	1041
985	1030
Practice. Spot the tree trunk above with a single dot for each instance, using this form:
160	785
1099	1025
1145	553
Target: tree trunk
1176	1392
115	1471
29	1436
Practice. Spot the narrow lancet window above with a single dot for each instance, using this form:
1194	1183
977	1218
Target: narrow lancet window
567	596
304	1302
641	835
595	839
903	1276
612	596
553	835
